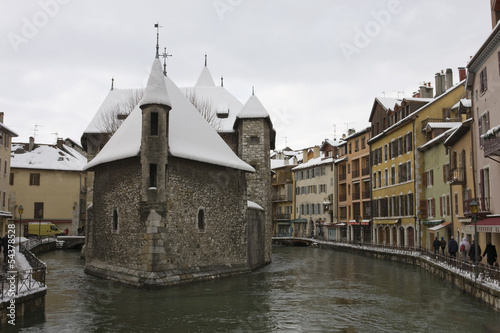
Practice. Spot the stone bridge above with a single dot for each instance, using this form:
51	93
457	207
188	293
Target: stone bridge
71	242
295	241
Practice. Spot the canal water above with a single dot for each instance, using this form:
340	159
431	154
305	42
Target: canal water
303	290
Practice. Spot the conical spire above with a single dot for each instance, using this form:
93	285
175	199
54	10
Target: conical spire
156	90
205	79
253	108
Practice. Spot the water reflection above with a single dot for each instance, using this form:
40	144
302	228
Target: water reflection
304	290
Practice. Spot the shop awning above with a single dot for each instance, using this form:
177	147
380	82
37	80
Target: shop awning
284	223
299	221
385	221
339	225
442	225
489	224
432	222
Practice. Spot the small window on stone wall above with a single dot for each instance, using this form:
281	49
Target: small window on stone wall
115	220
254	140
201	220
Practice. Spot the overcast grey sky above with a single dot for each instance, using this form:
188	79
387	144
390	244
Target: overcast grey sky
316	65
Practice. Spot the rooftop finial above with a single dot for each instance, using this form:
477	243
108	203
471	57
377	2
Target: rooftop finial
165	55
157	26
205	60
253	91
222	81
112	83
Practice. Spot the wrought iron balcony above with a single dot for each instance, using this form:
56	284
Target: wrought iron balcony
484	206
491	146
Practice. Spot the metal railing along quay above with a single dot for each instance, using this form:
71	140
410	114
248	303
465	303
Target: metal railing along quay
481	272
16	282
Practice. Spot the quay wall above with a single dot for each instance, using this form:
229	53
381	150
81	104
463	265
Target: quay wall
466	284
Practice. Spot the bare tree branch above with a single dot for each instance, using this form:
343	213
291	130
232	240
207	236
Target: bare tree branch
114	116
205	108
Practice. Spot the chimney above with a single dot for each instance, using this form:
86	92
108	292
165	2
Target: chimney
449	78
60	143
462	75
316	151
351	131
304	156
443	82
1	117
32	143
439	85
425	90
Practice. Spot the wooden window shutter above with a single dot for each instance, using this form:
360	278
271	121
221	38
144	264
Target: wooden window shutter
448	208
441	213
423	207
433	201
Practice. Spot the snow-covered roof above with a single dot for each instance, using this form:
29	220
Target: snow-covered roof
464	102
251	204
314	162
190	136
115	100
275	164
388	102
411	115
46	157
436	125
156	90
221	100
205	79
440	137
253	108
7	130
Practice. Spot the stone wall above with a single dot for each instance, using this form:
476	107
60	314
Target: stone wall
255	238
116	187
158	243
257	154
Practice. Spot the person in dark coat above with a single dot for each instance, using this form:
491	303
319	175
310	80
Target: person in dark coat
443	245
491	253
472	252
436	244
453	247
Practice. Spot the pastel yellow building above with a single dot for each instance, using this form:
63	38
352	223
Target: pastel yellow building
48	181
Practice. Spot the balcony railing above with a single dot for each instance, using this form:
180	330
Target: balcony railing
355	196
342	176
342	197
355	173
282	179
365	171
281	216
491	146
457	176
366	195
280	197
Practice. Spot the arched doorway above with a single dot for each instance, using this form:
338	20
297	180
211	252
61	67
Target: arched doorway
411	236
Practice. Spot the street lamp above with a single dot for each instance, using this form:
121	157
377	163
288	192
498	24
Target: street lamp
419	215
20	210
474	207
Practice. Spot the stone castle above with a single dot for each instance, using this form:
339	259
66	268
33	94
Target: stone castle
173	201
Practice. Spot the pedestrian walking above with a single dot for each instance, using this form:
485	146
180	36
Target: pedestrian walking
436	244
453	247
443	245
464	247
472	252
491	253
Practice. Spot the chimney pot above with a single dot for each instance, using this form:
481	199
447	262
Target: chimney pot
461	74
31	144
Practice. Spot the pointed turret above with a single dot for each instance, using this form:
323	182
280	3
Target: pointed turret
205	79
256	138
155	106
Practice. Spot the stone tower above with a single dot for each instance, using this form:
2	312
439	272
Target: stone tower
256	138
155	107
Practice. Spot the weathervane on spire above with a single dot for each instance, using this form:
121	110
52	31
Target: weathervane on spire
165	55
157	26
